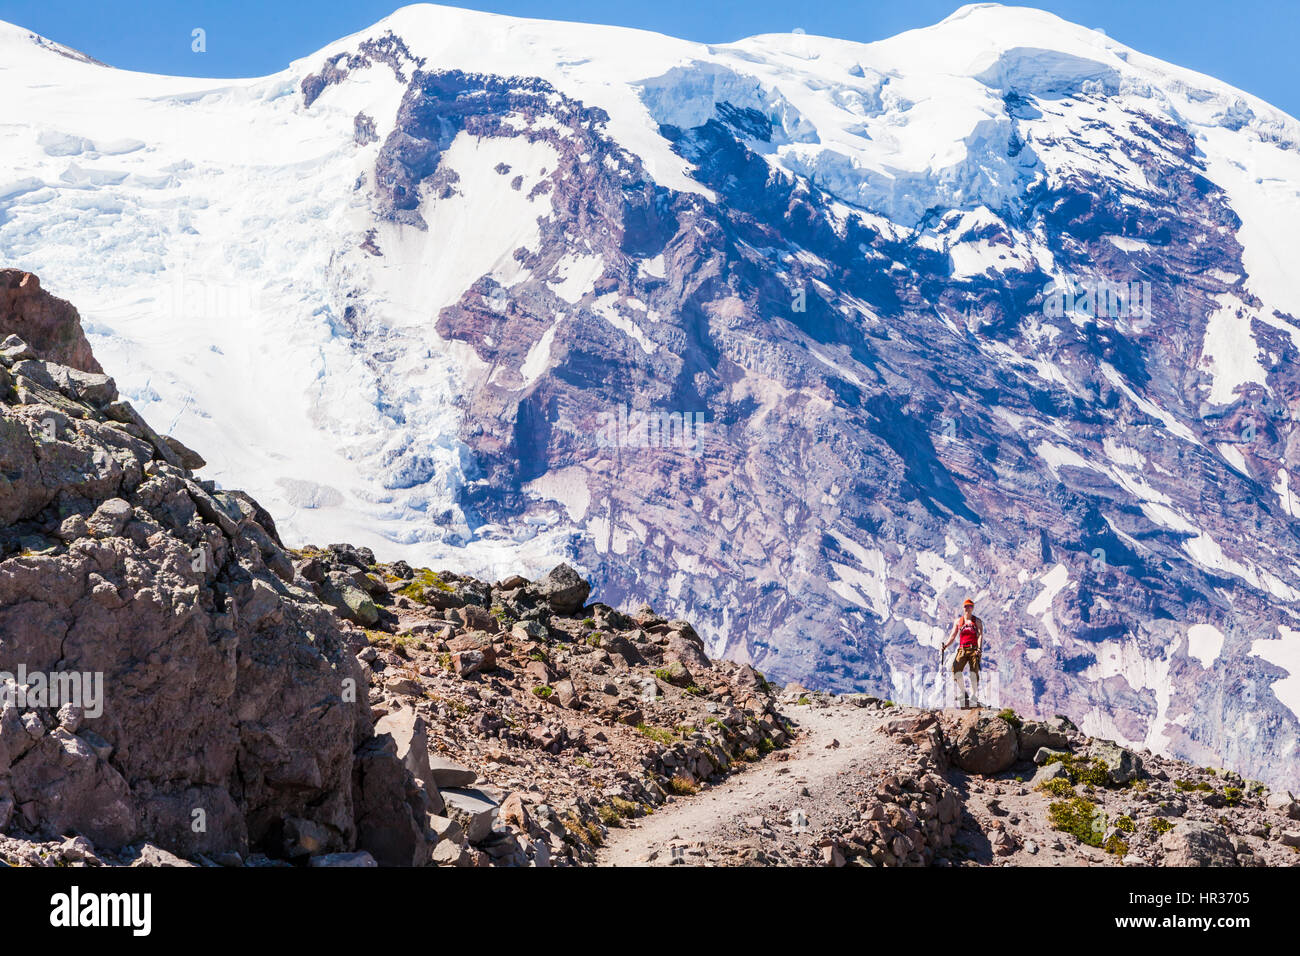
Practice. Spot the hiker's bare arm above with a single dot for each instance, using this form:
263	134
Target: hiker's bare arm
952	635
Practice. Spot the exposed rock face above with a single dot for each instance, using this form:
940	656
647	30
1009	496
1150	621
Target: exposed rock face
916	453
48	324
220	702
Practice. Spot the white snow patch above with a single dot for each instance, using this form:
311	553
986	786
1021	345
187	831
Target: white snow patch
1204	642
1283	653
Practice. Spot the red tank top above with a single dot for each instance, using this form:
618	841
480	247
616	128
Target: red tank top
968	634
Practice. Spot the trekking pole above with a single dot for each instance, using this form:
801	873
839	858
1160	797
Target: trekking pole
942	689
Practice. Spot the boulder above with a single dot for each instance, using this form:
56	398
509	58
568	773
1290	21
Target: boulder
151	855
528	631
411	739
1061	724
1044	754
1281	801
472	652
687	651
1122	765
449	853
675	673
190	459
390	808
906	726
474	810
566	695
48	324
749	683
1049	772
1193	843
1035	734
563	589
447	773
983	744
340	591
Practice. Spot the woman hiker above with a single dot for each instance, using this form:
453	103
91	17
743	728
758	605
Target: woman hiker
968	631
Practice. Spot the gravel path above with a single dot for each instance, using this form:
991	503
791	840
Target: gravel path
754	807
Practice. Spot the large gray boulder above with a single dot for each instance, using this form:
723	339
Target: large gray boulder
448	773
474	810
1281	801
411	741
564	589
1193	843
1035	734
983	744
1122	764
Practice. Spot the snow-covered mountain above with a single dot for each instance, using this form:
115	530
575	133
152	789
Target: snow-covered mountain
1000	307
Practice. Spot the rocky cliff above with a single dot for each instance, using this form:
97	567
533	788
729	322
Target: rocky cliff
163	676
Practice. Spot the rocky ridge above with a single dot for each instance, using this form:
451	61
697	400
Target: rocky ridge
977	788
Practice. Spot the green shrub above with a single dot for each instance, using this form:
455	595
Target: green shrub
544	691
1078	817
625	808
657	734
585	833
1011	717
1232	796
1125	824
423	580
1091	772
1060	787
1160	825
1188	786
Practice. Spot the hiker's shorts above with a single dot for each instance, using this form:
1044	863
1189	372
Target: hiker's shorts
966	656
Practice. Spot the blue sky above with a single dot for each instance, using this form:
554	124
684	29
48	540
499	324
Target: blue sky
1248	43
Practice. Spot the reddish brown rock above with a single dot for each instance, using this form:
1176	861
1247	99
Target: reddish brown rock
50	325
